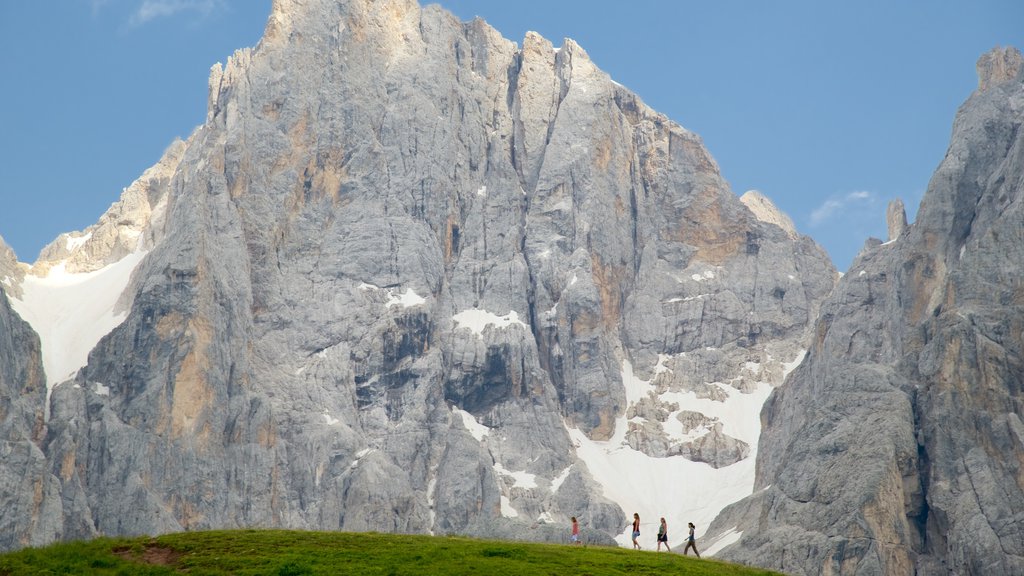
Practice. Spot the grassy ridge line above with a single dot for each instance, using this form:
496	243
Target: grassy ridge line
295	553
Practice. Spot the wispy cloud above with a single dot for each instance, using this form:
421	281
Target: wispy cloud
97	5
151	10
838	204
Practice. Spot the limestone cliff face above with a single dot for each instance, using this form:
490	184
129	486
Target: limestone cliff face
12	273
395	228
897	446
31	498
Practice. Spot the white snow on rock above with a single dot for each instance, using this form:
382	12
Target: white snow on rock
72	243
506	508
556	482
731	536
102	390
521	479
477	320
407	299
478	430
679	489
72	312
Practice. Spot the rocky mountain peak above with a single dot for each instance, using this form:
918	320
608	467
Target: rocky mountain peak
895	218
11	271
766	211
411	277
895	447
998	66
126	227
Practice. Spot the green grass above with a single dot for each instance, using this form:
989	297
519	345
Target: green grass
294	553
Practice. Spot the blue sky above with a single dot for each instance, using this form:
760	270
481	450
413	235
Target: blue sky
831	108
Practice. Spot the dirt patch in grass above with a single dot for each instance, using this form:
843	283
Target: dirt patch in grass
152	553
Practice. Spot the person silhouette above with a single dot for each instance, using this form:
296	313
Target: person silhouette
691	542
636	530
663	535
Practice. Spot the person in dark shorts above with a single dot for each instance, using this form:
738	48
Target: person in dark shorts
663	535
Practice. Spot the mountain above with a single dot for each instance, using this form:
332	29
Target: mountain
408	276
897	446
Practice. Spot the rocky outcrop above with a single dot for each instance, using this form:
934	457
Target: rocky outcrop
131	224
32	507
896	447
766	211
999	66
401	262
12	272
895	218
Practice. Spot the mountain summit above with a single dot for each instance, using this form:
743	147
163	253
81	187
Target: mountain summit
897	446
409	276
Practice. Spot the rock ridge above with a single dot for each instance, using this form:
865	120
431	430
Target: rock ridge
894	448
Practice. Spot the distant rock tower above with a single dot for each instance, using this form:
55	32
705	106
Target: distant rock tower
896	218
999	65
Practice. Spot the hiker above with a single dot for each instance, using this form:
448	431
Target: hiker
690	542
575	538
663	536
636	530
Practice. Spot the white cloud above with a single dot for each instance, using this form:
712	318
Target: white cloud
97	5
834	205
151	10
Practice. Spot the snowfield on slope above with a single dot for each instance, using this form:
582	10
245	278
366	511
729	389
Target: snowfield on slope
72	312
675	488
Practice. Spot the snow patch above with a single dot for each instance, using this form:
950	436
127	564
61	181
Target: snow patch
636	389
506	508
431	487
71	312
557	481
669	484
72	243
482	191
521	479
476	429
359	456
730	536
407	300
707	275
331	421
101	390
788	367
477	320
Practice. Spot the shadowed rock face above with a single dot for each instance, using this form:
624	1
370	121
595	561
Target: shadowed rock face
31	514
897	446
393	223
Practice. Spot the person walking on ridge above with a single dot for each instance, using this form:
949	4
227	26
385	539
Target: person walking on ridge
663	535
690	542
636	530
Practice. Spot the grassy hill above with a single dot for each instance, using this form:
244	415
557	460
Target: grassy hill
293	553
